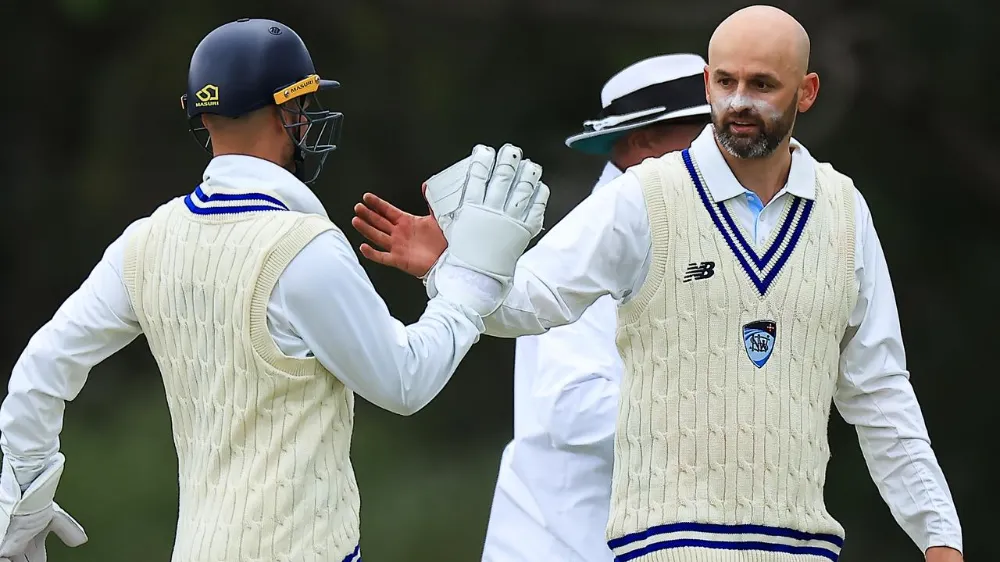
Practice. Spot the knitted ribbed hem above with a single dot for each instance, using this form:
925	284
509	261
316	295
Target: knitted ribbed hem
697	554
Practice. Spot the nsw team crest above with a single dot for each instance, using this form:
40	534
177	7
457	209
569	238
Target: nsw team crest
758	339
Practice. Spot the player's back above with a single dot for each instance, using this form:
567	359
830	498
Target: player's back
262	439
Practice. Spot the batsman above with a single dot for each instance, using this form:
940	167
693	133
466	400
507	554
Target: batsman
740	325
261	320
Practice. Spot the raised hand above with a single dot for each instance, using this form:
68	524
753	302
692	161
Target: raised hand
488	218
485	209
409	243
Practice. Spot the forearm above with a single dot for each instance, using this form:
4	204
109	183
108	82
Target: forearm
600	248
94	322
31	417
535	304
396	367
914	487
424	358
335	310
906	471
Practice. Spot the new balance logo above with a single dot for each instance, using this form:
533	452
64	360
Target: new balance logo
698	271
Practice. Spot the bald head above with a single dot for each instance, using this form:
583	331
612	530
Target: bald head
763	35
757	80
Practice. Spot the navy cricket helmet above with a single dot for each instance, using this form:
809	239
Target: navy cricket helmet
248	64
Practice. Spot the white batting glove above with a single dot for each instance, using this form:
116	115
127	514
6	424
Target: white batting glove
489	209
26	518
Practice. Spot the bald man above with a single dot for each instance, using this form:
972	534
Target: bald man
753	295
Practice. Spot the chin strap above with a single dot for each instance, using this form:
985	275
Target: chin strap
299	164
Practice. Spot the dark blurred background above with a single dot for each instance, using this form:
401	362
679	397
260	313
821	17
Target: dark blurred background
95	138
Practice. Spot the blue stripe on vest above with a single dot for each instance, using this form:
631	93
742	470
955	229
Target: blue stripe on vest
354	556
664	532
754	273
211	204
721	545
782	232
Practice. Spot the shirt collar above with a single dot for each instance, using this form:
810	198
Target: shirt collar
721	182
609	173
237	173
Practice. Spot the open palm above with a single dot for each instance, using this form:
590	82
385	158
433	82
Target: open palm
410	243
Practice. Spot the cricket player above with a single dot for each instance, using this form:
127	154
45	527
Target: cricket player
261	320
753	295
554	487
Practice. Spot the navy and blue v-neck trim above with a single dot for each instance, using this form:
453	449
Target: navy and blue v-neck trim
756	267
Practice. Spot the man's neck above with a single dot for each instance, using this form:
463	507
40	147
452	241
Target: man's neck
763	176
254	152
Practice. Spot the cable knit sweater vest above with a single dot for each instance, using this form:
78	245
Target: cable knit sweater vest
262	439
732	355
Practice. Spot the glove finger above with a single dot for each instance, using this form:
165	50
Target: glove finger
66	528
536	213
23	529
508	160
446	190
35	551
480	164
523	192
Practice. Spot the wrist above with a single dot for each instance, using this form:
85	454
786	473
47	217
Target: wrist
943	554
26	469
430	270
468	288
38	489
25	476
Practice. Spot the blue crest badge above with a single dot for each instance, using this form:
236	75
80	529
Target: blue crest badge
758	339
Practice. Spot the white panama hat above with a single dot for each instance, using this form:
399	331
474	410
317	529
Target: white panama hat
662	88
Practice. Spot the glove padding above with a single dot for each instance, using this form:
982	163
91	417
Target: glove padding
26	518
446	189
61	523
489	209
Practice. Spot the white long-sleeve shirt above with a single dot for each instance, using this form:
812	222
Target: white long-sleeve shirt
323	305
554	487
603	247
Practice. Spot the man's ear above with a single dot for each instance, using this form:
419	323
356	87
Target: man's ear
808	91
280	116
636	139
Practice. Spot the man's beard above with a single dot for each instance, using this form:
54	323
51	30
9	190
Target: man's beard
770	132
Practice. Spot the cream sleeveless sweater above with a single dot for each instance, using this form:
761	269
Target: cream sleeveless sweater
262	439
732	356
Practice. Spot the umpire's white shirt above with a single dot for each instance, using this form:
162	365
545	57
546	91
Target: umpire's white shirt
554	487
345	325
603	247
